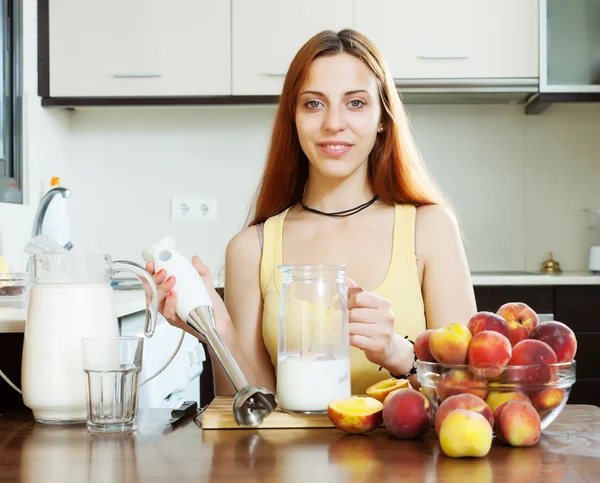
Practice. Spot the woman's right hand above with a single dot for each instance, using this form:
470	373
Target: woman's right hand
167	298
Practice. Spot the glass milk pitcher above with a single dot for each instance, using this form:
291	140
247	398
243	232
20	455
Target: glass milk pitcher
313	363
71	298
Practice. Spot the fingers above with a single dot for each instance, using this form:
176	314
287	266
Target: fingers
203	271
150	267
162	291
350	283
364	299
364	343
361	315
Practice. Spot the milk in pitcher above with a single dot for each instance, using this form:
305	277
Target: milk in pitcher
59	316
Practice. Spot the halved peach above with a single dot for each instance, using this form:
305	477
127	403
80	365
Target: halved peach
357	414
381	389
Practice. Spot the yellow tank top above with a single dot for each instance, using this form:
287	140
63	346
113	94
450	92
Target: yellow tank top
401	287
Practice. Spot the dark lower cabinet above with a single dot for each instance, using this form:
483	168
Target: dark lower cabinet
578	307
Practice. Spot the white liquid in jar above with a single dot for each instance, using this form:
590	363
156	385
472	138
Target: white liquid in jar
59	316
308	383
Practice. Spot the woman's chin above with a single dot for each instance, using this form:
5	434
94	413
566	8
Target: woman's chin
337	168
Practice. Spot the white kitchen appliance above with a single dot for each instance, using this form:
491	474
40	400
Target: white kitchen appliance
593	224
194	306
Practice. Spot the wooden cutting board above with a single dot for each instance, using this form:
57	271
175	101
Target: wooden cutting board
219	415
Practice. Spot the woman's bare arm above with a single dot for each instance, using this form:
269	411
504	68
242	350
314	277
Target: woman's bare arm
243	300
447	287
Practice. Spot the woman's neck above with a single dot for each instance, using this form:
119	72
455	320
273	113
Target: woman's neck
332	195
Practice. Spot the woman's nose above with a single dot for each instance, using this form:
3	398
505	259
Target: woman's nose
335	119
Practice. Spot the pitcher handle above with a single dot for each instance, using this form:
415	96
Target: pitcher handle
151	305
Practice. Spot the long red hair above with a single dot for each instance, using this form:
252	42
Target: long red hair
396	170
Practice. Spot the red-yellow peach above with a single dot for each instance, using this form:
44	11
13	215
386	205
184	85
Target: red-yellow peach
517	423
381	389
449	344
485	320
535	353
422	346
558	336
521	320
488	354
495	399
465	433
357	414
462	401
547	398
458	381
407	414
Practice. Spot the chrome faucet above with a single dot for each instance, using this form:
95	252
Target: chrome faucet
43	207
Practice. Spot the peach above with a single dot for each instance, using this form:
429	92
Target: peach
422	346
407	414
485	320
558	336
465	433
547	398
521	320
462	401
495	399
381	389
517	423
458	381
449	344
532	352
488	353
357	414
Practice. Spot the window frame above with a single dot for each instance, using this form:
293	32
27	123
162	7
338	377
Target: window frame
11	187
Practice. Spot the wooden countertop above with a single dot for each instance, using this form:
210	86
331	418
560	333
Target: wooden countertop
569	450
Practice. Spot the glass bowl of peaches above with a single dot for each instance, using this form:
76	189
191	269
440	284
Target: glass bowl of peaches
509	360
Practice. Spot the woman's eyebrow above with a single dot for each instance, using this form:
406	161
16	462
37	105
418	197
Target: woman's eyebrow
349	93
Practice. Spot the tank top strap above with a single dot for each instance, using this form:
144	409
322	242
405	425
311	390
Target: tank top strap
404	237
272	251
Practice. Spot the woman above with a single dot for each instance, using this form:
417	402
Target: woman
343	183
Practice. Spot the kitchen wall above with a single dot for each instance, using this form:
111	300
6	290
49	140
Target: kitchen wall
518	182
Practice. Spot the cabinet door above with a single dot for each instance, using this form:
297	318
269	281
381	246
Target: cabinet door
131	48
267	34
453	39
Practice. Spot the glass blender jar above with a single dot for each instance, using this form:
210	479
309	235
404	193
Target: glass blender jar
313	362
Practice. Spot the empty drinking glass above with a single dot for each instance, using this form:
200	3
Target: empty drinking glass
112	366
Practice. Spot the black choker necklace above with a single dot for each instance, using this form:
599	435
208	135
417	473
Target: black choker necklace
342	214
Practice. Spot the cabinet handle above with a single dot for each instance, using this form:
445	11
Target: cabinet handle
443	57
136	74
273	74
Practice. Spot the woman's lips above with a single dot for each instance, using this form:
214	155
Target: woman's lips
335	149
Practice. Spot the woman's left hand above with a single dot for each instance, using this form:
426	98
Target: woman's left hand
371	324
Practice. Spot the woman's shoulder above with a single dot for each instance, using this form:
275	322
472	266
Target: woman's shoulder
244	245
435	224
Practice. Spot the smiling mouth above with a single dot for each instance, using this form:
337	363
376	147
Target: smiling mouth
336	147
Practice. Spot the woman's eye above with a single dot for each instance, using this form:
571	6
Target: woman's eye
357	103
312	104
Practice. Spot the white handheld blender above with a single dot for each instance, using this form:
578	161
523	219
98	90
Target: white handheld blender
194	306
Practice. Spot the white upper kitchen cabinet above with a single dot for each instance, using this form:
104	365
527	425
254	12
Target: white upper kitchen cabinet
453	39
267	34
139	48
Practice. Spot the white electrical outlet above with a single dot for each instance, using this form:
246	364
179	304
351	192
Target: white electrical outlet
194	209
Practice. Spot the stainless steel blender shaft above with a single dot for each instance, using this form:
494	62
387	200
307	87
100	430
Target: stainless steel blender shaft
251	403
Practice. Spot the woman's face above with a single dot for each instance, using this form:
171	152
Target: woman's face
338	114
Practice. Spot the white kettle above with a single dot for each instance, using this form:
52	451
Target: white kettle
70	298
